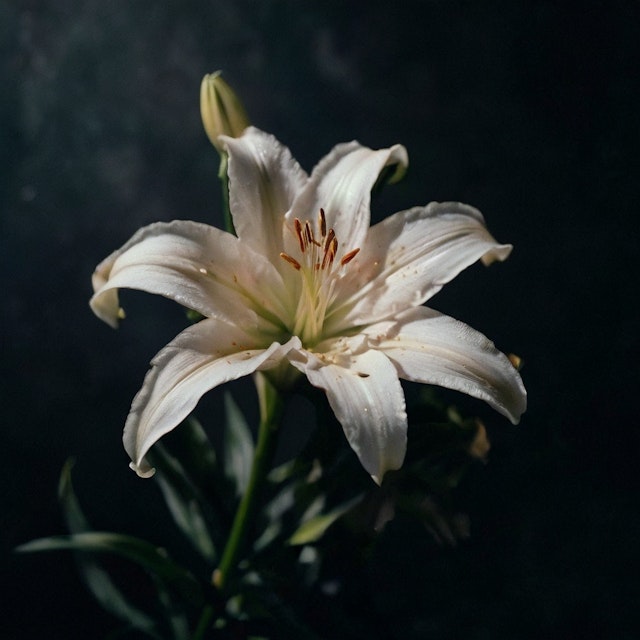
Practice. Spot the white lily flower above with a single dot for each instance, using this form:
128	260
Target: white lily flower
308	286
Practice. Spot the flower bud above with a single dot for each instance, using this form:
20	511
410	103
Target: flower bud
221	109
480	445
516	361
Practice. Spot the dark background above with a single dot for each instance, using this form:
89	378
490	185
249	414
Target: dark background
527	110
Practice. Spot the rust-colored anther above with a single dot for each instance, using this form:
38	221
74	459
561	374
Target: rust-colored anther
323	223
298	228
308	234
291	261
348	257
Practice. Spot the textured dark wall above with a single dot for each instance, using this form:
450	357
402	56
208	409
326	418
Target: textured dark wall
527	110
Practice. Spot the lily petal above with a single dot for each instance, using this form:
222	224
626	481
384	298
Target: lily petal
341	184
365	394
198	266
263	180
432	348
408	257
200	358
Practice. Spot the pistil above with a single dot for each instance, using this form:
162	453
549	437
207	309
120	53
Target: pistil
316	267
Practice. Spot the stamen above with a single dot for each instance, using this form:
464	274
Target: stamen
311	236
348	257
331	247
298	228
323	223
329	240
320	275
308	234
291	261
326	259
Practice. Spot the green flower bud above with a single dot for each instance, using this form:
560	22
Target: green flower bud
221	109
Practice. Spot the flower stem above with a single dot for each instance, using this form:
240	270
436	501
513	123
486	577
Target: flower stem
203	623
270	412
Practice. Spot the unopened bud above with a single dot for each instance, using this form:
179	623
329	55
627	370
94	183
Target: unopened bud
516	361
480	445
221	109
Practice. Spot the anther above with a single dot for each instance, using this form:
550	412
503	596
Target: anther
323	223
331	247
308	234
298	228
348	257
291	261
329	240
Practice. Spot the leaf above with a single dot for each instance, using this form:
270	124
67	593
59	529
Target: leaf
274	511
239	447
176	618
315	527
74	516
183	500
96	578
190	445
111	599
152	558
197	453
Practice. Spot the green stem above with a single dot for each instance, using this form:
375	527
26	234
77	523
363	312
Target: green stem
270	412
203	623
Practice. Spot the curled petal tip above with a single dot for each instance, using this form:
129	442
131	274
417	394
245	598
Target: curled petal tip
143	470
497	254
399	159
105	309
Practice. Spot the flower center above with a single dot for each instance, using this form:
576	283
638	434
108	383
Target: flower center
319	270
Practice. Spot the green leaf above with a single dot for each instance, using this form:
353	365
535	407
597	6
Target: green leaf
270	616
96	578
74	516
153	559
184	501
193	316
239	447
190	445
315	527
175	617
111	599
274	512
194	449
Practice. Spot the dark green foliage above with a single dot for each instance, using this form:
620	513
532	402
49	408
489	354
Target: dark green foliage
321	519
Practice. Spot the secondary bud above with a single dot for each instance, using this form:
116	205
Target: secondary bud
221	109
515	360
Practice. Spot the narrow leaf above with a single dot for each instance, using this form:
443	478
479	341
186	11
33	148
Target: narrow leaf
197	453
111	599
239	447
315	527
183	500
96	578
176	618
143	553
